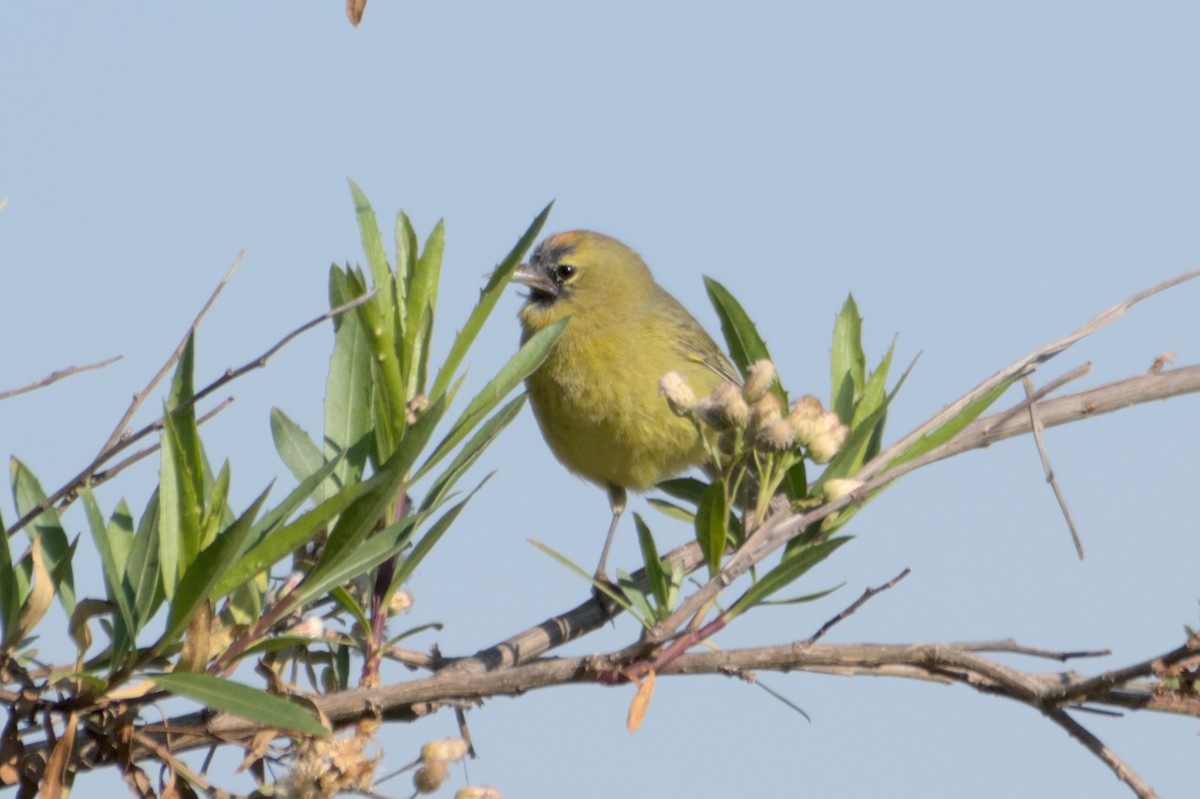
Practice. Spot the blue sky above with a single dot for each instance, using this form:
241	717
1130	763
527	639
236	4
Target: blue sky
982	177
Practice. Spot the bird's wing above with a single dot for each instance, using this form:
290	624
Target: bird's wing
698	346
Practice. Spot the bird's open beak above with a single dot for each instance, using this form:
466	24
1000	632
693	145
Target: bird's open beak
536	280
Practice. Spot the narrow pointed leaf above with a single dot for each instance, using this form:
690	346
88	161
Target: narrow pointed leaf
847	362
488	297
954	425
655	576
287	539
114	574
470	452
372	241
27	495
142	568
787	572
712	526
348	388
689	489
520	366
295	447
204	574
421	302
387	543
604	588
741	336
671	509
430	539
242	701
10	596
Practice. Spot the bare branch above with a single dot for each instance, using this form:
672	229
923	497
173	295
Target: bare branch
141	396
54	377
1080	733
1035	423
858	603
942	663
1019	367
69	489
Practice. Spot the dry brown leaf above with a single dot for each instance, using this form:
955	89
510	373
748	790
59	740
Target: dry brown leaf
41	594
178	789
257	749
196	640
640	703
12	750
57	779
354	11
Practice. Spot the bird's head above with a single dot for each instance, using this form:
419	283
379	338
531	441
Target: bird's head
581	273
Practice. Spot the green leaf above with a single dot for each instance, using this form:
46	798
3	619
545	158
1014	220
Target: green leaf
215	508
488	297
798	600
10	594
385	544
689	489
470	452
350	604
142	567
429	540
120	534
389	399
712	526
604	588
639	603
954	425
296	449
875	391
520	366
242	701
421	302
846	361
741	336
204	574
671	509
788	571
795	482
115	585
27	495
372	241
273	548
280	513
406	265
179	423
348	388
655	577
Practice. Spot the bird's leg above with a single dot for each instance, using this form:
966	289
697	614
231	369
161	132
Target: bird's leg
616	501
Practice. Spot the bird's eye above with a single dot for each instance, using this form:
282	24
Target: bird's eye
564	272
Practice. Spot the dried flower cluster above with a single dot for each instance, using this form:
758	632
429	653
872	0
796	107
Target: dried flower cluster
754	413
326	767
436	757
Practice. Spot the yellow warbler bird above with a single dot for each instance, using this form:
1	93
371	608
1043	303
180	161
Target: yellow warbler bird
596	397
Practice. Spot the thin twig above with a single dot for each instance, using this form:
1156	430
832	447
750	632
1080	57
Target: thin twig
1035	423
141	396
112	471
1021	366
230	374
858	603
54	377
1110	758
